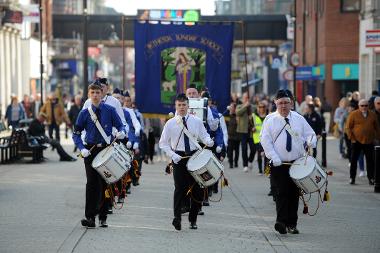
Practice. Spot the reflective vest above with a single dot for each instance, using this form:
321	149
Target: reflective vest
257	123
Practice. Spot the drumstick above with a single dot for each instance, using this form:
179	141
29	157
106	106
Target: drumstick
80	154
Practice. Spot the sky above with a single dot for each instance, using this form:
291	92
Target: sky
130	7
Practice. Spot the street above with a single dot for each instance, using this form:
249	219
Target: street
42	204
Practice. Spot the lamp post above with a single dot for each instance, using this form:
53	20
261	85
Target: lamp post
85	51
294	19
41	62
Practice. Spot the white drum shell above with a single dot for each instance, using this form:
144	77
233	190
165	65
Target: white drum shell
198	108
309	175
112	163
205	168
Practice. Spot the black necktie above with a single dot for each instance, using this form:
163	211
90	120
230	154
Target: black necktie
97	112
186	139
288	138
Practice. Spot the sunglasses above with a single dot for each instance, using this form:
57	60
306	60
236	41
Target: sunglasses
363	105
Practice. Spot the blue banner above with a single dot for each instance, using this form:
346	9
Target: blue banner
170	57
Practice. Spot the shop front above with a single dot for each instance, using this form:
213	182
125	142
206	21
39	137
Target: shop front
347	77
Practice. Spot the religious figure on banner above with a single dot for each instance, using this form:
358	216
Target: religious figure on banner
183	73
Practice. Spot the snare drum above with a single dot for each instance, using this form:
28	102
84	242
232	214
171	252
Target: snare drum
307	174
198	108
113	162
205	168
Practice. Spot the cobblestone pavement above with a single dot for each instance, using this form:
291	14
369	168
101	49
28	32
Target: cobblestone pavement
42	204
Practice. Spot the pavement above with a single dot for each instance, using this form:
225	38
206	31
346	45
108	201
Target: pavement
42	204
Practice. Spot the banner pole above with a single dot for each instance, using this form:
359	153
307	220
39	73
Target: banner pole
245	54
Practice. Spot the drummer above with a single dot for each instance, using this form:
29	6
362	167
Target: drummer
283	137
178	146
95	186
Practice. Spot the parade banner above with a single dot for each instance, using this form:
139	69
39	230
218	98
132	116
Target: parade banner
171	57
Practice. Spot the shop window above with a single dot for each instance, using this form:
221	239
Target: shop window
377	66
350	5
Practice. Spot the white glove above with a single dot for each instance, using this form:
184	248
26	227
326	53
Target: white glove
135	145
218	149
276	162
120	135
210	143
85	152
176	158
129	144
137	133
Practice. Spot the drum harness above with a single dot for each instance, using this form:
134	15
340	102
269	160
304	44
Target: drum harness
223	182
326	196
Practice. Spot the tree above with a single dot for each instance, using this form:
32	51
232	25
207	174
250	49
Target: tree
199	58
166	60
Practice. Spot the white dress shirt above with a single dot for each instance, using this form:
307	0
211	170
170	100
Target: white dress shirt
212	123
135	122
223	126
300	130
172	130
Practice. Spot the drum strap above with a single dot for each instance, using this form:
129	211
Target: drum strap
98	126
186	131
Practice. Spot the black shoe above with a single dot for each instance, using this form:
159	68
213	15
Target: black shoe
88	222
103	224
293	230
110	211
200	212
206	203
215	190
236	165
371	182
352	181
128	191
120	200
176	223
280	227
231	166
193	225
185	210
270	193
68	159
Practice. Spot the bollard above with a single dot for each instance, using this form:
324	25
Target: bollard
377	169
324	162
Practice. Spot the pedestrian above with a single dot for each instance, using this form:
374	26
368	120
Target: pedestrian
95	186
15	112
316	122
308	100
326	109
244	126
174	143
258	119
55	115
371	100
37	129
282	137
339	116
362	129
233	146
74	111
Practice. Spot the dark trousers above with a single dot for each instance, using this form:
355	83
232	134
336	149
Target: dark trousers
356	149
182	182
233	147
259	149
95	189
54	127
246	140
61	152
287	196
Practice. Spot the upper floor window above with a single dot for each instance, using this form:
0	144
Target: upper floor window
350	5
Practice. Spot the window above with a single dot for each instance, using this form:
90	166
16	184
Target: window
377	66
350	5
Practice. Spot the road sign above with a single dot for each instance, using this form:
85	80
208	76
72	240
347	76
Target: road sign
295	59
372	38
276	63
288	75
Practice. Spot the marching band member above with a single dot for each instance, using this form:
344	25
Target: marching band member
283	136
177	145
95	186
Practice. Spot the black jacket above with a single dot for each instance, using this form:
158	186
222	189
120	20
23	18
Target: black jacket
315	121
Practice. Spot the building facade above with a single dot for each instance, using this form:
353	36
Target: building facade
327	41
369	59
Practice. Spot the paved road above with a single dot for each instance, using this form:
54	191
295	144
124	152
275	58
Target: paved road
41	205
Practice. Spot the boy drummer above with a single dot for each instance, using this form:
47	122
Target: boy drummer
95	186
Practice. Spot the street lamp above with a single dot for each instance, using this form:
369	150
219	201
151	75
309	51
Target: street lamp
41	62
85	52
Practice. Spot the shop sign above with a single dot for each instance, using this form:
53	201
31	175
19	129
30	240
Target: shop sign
372	38
345	71
13	17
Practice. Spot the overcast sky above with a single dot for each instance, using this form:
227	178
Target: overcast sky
130	7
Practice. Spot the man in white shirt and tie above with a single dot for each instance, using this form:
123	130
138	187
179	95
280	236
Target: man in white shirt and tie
284	135
177	145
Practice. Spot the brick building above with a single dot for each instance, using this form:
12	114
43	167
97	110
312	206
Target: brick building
327	40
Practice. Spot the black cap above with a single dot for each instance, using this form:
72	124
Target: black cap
103	80
284	94
206	94
126	94
95	85
117	91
